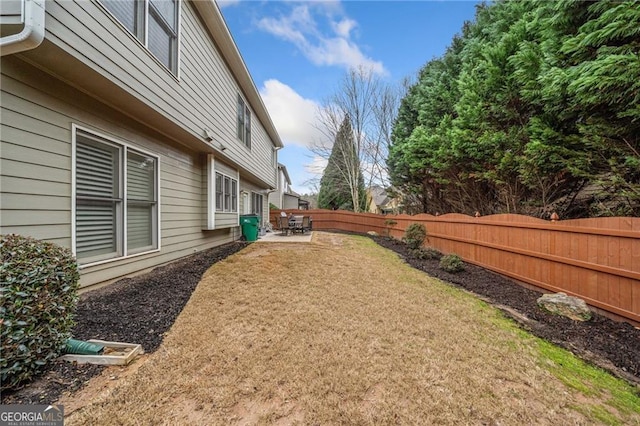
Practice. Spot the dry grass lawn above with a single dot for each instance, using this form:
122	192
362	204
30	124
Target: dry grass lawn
340	331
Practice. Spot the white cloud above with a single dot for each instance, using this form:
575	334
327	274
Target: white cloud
344	27
295	117
334	47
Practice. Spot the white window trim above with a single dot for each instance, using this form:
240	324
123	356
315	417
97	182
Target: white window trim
211	188
74	131
224	175
177	75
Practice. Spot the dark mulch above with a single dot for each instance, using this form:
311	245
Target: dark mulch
609	344
134	310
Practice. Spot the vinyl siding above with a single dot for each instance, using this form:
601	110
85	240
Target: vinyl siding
289	202
204	97
92	73
36	170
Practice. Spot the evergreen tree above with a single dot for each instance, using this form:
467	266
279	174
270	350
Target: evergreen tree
533	109
342	183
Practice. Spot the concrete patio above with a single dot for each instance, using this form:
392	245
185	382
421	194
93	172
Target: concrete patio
276	236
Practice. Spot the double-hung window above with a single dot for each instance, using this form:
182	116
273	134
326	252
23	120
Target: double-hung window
116	200
244	123
226	193
154	23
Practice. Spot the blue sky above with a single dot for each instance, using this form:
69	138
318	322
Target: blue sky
297	52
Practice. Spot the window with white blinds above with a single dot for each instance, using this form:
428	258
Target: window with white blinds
154	23
98	199
141	202
116	206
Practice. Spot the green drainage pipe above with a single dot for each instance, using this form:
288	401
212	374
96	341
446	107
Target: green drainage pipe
80	347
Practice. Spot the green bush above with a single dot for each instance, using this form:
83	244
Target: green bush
426	253
414	235
451	263
38	286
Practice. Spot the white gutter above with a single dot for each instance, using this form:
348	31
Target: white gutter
31	35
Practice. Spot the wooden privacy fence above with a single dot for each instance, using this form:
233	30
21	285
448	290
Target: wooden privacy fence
595	259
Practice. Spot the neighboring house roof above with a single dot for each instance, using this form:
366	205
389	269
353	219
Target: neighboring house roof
379	196
215	22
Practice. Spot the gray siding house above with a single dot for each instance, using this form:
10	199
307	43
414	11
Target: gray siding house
284	197
132	133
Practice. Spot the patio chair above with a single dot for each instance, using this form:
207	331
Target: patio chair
283	224
297	224
306	224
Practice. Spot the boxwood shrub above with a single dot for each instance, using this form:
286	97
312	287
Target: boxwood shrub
426	253
451	263
414	235
38	287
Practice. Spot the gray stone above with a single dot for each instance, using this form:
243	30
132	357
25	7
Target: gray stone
568	306
373	233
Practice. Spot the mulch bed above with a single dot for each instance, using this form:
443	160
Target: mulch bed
612	345
133	310
142	309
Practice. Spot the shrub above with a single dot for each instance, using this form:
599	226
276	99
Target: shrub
414	235
38	286
426	253
431	253
451	263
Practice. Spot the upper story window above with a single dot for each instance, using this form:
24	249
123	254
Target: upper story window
154	23
244	123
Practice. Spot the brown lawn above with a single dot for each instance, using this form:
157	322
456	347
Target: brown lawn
339	331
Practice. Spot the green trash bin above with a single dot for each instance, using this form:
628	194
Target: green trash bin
249	224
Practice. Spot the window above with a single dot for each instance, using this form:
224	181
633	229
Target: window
226	193
234	195
256	204
116	200
219	192
244	123
154	23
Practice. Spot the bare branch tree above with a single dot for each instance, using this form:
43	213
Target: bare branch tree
371	105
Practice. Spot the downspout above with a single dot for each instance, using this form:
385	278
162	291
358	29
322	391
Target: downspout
31	35
267	192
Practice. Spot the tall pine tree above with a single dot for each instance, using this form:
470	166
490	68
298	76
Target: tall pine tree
342	183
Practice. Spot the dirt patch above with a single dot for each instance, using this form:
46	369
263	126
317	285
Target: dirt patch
133	310
100	385
610	344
